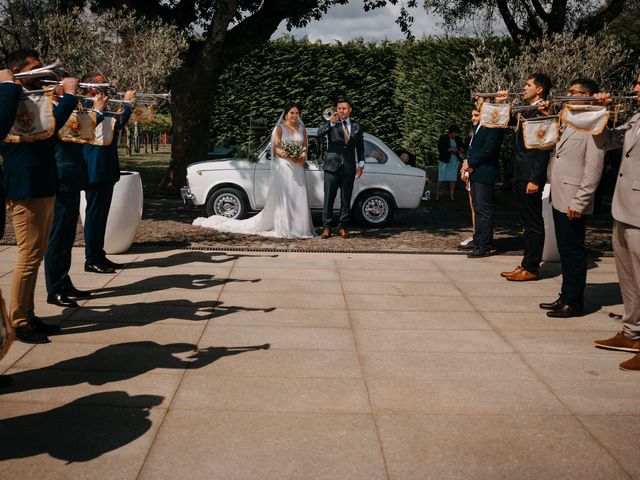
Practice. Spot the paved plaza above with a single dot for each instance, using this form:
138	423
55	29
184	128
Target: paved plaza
212	365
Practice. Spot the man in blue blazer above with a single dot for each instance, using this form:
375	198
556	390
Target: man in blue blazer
9	97
103	171
482	165
31	182
72	178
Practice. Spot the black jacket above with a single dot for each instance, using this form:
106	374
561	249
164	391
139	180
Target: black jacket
443	148
529	165
340	153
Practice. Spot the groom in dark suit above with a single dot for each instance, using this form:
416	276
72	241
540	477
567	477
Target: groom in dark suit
341	166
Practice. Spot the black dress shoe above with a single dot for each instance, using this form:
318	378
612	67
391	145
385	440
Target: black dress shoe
114	265
5	381
61	300
28	334
97	268
479	253
74	292
551	306
41	327
565	311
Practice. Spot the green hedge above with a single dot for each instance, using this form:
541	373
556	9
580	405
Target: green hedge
405	93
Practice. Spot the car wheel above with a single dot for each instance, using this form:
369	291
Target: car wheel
374	209
227	202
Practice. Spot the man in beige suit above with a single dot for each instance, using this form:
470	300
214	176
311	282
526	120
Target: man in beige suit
574	171
625	209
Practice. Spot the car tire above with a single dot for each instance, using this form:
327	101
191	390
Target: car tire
228	202
374	208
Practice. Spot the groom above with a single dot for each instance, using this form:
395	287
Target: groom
345	139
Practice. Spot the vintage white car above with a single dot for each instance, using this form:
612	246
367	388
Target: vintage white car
233	186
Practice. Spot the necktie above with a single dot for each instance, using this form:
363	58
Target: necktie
345	131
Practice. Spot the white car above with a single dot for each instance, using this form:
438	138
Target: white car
234	186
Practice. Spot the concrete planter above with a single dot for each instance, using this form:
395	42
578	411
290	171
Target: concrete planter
125	213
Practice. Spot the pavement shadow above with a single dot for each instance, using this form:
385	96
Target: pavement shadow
599	295
81	430
145	313
165	282
120	362
185	258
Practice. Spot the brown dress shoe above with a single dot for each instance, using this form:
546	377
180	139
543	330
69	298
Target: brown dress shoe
326	233
619	342
632	364
512	272
343	233
522	276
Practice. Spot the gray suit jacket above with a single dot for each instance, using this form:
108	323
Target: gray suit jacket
625	207
575	170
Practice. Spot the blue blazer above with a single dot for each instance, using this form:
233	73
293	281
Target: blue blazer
9	98
484	155
72	172
102	162
339	153
30	167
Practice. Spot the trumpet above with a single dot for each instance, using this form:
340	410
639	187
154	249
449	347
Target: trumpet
150	98
99	86
475	95
109	100
328	114
563	99
47	71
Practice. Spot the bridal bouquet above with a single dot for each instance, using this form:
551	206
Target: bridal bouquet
291	149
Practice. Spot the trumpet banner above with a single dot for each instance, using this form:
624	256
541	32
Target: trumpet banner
34	118
542	132
7	333
587	118
142	114
495	115
80	128
104	132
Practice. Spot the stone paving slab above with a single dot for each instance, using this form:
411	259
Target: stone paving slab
214	365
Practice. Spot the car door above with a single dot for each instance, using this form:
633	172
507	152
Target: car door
261	179
315	174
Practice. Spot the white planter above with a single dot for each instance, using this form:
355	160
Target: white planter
550	251
125	213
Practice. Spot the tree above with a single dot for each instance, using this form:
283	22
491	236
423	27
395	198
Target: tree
529	19
220	32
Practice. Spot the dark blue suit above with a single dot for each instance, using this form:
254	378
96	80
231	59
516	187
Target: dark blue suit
484	157
103	171
9	98
72	178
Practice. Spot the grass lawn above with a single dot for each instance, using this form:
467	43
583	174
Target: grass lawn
152	168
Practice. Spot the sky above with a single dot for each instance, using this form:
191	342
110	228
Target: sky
346	22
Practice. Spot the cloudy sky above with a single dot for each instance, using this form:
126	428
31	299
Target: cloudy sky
346	22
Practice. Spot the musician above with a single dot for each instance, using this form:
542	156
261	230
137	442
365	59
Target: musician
72	178
9	98
575	171
625	209
529	177
103	171
31	181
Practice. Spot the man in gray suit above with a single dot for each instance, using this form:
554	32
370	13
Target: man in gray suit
575	169
345	147
625	209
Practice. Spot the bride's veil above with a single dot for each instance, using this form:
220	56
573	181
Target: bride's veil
273	135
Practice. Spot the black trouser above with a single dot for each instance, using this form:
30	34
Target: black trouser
573	257
98	197
482	197
332	182
530	210
57	260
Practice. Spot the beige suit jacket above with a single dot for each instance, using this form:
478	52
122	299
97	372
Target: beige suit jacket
575	170
625	207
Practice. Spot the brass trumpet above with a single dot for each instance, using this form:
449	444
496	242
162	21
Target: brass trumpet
47	71
473	95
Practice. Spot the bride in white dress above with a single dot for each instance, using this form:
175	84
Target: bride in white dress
286	212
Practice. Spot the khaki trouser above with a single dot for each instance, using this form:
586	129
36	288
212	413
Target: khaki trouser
626	249
32	220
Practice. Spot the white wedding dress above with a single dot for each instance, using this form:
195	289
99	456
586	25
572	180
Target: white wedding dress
286	212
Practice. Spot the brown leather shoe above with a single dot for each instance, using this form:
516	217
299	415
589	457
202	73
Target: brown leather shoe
522	276
619	342
326	233
508	274
343	233
632	364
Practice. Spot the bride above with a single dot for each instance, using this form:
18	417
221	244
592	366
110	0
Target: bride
286	212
